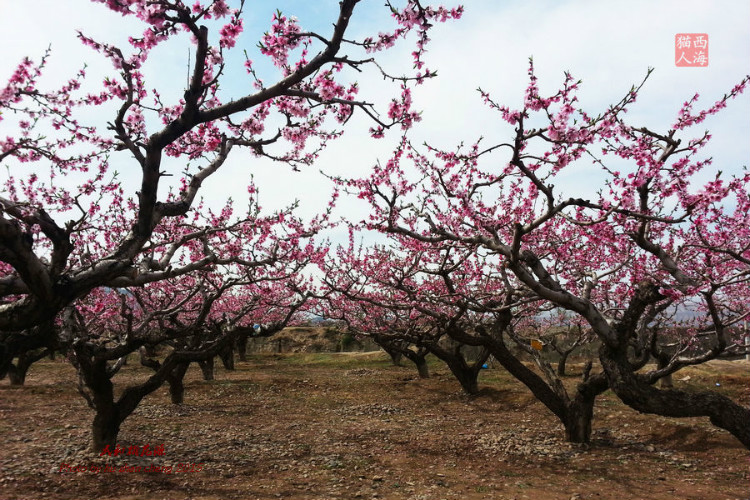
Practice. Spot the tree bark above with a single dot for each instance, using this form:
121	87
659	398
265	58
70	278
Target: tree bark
105	428
578	424
641	396
580	410
465	373
25	345
395	356
541	390
422	368
467	379
227	357
665	382
17	373
110	414
418	358
242	346
176	383
106	424
207	367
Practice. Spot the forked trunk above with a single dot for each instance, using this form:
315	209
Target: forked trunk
418	358
468	381
465	374
580	413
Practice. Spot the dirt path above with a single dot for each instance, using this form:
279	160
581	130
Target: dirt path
346	426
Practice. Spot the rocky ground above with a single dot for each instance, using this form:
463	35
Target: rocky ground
325	426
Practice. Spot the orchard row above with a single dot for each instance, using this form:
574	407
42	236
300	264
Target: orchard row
479	246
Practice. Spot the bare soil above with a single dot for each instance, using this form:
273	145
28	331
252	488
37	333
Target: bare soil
326	426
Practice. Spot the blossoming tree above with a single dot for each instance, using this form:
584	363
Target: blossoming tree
188	318
442	298
60	164
655	238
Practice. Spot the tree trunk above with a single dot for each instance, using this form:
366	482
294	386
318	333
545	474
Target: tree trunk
578	427
575	415
105	428
176	383
465	374
541	390
227	358
561	364
641	396
580	413
395	357
176	391
106	424
468	380
28	346
422	368
16	375
110	414
664	382
418	358
207	367
242	346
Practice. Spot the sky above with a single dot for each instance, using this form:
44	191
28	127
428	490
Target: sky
609	45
